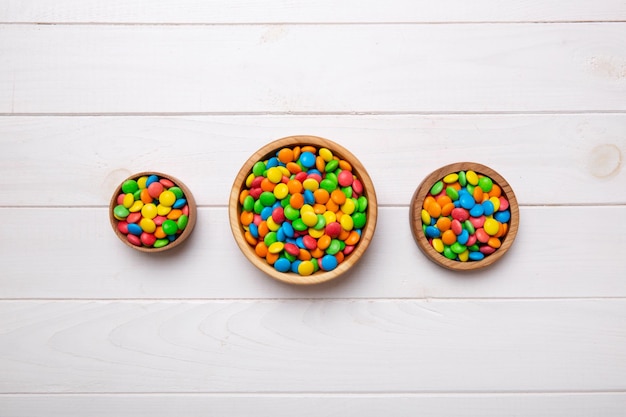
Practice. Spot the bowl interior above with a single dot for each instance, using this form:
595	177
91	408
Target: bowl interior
416	220
269	151
185	233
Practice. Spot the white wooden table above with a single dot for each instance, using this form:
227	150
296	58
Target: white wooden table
92	91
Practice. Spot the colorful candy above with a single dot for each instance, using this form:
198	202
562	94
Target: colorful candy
465	216
303	210
151	211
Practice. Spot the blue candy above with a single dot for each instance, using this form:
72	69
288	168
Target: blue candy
134	229
329	262
502	216
282	265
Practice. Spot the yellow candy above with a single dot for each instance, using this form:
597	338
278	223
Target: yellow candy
274	175
426	217
309	218
147	225
348	207
464	256
276	247
306	268
271	224
471	177
307	208
167	198
137	206
346	223
316	233
310	184
163	210
491	226
249	180
141	182
438	245
284	171
329	216
129	199
326	154
451	178
496	203
280	191
149	211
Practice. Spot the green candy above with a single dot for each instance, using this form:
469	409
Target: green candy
159	243
291	213
182	222
362	206
347	191
334	247
331	166
321	222
270	238
248	203
328	185
452	193
258	169
177	192
462	179
436	188
457	248
169	227
485	183
447	252
130	186
258	207
359	220
299	225
121	212
267	198
467	225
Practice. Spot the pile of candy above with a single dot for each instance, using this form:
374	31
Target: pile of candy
303	209
465	216
151	211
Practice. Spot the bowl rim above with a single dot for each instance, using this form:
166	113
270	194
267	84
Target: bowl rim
415	217
191	202
269	150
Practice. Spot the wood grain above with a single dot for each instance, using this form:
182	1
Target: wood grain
547	159
300	11
290	346
260	69
80	257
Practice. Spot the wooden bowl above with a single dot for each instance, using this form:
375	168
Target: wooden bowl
416	219
235	209
181	237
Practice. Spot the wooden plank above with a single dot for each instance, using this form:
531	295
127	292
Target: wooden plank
313	405
313	346
547	159
299	11
312	68
556	254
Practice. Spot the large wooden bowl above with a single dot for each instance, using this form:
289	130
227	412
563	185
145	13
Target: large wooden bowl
416	221
185	233
270	150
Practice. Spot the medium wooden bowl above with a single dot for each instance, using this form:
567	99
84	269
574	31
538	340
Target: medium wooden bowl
269	151
416	220
185	233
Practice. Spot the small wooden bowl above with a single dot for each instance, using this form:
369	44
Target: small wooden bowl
181	238
416	219
269	151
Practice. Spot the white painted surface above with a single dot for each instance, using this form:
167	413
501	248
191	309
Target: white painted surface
89	327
